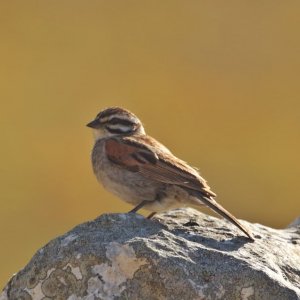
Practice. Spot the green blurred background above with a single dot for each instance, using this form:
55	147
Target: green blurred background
216	81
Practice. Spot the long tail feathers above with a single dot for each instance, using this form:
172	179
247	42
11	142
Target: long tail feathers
212	204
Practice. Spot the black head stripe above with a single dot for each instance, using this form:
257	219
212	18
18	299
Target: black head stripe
106	113
121	122
109	111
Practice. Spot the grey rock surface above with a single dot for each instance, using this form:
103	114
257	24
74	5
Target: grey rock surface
182	254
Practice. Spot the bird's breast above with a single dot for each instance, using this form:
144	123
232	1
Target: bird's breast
129	186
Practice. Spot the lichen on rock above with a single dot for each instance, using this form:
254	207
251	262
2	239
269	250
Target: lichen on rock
182	254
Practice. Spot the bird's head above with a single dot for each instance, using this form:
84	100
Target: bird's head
115	121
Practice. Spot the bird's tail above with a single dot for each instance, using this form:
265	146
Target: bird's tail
212	204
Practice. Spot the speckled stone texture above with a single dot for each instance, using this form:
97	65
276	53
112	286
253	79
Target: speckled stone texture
182	254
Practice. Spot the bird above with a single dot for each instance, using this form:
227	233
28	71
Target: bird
143	172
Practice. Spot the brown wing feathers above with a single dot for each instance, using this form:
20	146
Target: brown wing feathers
137	157
159	166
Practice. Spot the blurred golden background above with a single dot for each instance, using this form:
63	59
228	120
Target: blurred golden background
216	81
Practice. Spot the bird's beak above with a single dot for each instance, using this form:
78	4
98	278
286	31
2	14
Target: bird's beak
94	124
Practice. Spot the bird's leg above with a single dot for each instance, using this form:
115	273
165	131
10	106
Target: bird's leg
151	215
139	206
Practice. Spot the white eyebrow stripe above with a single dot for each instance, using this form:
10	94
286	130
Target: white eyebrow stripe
104	119
119	127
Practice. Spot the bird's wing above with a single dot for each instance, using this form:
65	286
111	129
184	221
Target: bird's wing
152	160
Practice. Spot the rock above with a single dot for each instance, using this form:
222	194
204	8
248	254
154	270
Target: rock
182	254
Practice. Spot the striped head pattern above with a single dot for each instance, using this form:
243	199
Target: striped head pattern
116	121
